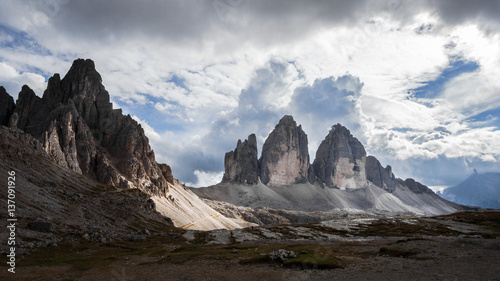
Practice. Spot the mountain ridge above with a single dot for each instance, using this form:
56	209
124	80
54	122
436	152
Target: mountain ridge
75	123
481	190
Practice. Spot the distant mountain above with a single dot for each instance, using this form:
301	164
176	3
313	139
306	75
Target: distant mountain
481	190
341	178
77	127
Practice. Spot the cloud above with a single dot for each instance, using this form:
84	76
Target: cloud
13	81
202	75
275	89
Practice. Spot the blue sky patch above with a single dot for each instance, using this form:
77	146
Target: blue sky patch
158	120
434	88
179	81
492	117
21	39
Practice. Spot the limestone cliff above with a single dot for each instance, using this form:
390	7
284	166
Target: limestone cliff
340	160
241	165
285	156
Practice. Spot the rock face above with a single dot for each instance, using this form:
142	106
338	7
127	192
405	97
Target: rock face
241	165
379	176
7	106
285	156
340	160
76	123
416	187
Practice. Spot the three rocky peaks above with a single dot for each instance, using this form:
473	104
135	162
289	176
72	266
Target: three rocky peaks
341	161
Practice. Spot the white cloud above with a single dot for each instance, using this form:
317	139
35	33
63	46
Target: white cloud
13	81
206	179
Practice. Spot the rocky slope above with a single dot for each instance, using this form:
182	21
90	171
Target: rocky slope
79	130
481	190
55	203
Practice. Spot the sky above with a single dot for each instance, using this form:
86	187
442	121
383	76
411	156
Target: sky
417	82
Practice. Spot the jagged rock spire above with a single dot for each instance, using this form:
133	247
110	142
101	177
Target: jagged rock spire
79	129
241	165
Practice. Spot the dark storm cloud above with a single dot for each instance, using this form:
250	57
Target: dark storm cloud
114	19
457	11
230	23
260	22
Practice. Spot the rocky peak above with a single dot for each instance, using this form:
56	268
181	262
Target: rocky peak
7	106
285	156
417	187
241	165
79	129
28	108
379	176
340	160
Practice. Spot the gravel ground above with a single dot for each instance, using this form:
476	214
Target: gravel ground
432	258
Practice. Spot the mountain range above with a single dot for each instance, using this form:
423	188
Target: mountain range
80	164
481	190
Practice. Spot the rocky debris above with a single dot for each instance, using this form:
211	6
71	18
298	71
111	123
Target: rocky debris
340	160
76	123
285	156
137	238
281	255
220	237
379	176
241	235
7	106
268	234
267	216
241	165
41	226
